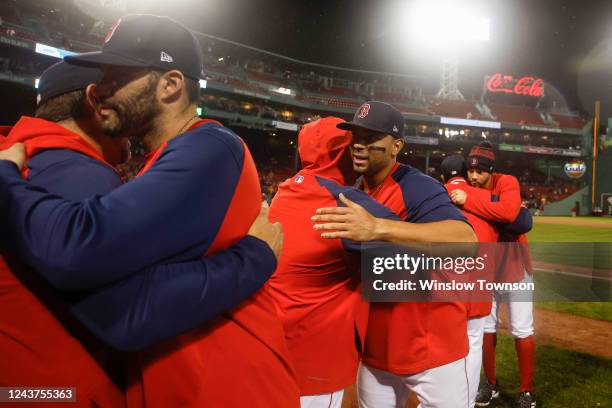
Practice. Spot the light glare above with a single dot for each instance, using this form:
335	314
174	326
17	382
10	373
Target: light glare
447	22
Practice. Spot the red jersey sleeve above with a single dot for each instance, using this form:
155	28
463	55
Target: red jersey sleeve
505	210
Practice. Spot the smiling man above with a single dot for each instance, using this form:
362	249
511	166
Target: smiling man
516	267
415	347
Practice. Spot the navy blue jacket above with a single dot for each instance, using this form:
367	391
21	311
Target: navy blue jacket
104	243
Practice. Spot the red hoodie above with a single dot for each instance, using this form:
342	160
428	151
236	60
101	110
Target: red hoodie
316	287
40	134
239	358
517	257
37	349
485	232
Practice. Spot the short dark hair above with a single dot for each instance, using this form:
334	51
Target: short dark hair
62	107
193	90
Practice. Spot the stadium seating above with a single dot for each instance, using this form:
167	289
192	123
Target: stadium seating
47	27
220	69
265	78
346	92
239	84
414	110
567	121
18	34
331	92
392	97
329	101
516	114
534	193
455	109
321	92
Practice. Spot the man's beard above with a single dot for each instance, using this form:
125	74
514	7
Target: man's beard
478	184
360	170
134	115
371	168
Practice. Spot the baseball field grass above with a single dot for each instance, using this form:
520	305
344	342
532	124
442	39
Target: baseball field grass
570	229
592	310
583	242
563	378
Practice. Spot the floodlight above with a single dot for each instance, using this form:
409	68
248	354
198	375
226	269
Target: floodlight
443	21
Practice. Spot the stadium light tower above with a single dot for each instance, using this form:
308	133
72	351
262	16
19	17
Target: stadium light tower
448	25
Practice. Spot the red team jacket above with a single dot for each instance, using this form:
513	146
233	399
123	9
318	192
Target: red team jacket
238	359
37	343
516	259
317	292
409	337
485	232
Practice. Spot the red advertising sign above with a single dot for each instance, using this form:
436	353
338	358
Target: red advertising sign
528	86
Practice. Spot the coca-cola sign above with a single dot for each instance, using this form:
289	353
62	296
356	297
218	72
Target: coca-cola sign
526	86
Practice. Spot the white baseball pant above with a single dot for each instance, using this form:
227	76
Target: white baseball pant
475	329
329	400
440	387
520	311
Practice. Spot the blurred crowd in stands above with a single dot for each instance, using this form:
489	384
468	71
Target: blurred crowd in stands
18	62
57	25
253	88
245	71
275	160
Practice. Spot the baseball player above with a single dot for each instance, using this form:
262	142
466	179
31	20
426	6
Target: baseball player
317	283
411	346
69	155
177	209
516	267
40	343
454	175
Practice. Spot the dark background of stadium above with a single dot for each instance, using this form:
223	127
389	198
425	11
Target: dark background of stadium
546	38
567	43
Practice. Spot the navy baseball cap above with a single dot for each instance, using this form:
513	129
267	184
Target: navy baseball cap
453	166
148	41
61	78
379	117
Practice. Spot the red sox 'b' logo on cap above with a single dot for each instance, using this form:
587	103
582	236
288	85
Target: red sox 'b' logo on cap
112	31
364	110
474	162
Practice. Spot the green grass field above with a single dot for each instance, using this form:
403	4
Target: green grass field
580	246
592	310
571	233
602	220
563	378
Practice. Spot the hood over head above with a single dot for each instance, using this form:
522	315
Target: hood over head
39	134
323	148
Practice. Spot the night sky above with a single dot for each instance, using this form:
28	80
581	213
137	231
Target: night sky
545	38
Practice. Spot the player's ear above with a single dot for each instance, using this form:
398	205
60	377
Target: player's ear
398	145
171	86
90	100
